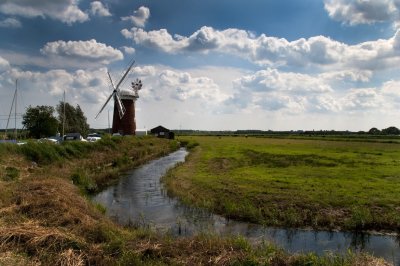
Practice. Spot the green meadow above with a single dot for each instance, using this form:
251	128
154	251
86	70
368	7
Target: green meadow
324	184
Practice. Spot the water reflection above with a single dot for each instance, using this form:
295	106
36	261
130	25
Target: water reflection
139	199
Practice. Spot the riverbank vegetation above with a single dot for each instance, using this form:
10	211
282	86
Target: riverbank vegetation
46	217
324	184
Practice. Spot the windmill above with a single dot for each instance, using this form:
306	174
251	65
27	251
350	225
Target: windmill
124	104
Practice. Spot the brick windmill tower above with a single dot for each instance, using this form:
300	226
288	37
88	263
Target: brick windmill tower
124	105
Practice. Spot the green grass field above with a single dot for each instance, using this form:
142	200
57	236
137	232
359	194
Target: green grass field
294	182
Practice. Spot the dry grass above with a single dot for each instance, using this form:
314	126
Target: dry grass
194	251
32	238
54	202
71	258
11	258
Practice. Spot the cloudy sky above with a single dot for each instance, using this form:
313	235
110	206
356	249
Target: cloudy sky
217	65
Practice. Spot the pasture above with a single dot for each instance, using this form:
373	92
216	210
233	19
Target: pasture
324	184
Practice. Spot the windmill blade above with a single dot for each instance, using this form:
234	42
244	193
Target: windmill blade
120	106
104	105
124	76
112	83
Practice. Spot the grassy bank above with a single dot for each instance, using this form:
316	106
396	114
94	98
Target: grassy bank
294	182
46	218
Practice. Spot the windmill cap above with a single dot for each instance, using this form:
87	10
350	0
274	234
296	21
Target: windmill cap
127	94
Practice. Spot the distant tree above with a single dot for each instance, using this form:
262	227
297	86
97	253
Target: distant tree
75	119
391	131
40	121
374	131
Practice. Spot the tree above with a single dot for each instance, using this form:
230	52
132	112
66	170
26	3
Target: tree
391	131
374	131
75	119
40	121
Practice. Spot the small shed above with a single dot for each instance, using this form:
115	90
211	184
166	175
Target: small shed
141	132
162	132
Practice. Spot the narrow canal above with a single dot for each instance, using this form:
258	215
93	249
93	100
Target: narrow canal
140	199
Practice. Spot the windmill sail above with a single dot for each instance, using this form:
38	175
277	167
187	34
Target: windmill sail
104	105
120	106
115	93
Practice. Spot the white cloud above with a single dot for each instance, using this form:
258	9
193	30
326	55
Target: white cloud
362	99
66	11
84	50
10	23
273	80
316	52
164	83
362	11
4	64
97	8
350	75
128	50
324	104
183	86
391	90
288	92
139	17
297	94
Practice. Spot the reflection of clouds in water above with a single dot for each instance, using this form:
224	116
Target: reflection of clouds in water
139	199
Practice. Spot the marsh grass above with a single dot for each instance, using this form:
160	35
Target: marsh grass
294	182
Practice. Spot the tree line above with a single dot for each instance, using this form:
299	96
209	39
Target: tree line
41	121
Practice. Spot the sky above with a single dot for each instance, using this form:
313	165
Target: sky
208	65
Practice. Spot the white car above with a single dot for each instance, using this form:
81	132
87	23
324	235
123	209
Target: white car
93	139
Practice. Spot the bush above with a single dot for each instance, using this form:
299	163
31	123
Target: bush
189	144
42	153
83	181
12	173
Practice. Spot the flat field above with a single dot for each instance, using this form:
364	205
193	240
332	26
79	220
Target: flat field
349	185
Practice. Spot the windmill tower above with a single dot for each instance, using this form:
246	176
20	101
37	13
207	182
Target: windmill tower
124	105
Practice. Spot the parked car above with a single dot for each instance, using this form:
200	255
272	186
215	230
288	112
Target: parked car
93	139
73	137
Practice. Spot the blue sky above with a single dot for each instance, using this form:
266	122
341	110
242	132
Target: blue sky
217	65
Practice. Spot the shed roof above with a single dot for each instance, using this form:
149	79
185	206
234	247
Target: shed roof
159	129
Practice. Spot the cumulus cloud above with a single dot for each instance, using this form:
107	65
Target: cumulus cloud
128	50
97	8
362	99
4	64
139	17
10	23
86	50
291	93
273	80
163	83
273	90
66	11
319	51
183	86
391	90
362	11
350	75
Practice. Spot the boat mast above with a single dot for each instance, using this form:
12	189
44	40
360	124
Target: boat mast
63	127
9	115
15	110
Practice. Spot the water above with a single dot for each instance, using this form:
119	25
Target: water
140	199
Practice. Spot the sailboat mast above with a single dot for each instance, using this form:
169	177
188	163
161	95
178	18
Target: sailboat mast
15	110
63	127
9	115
